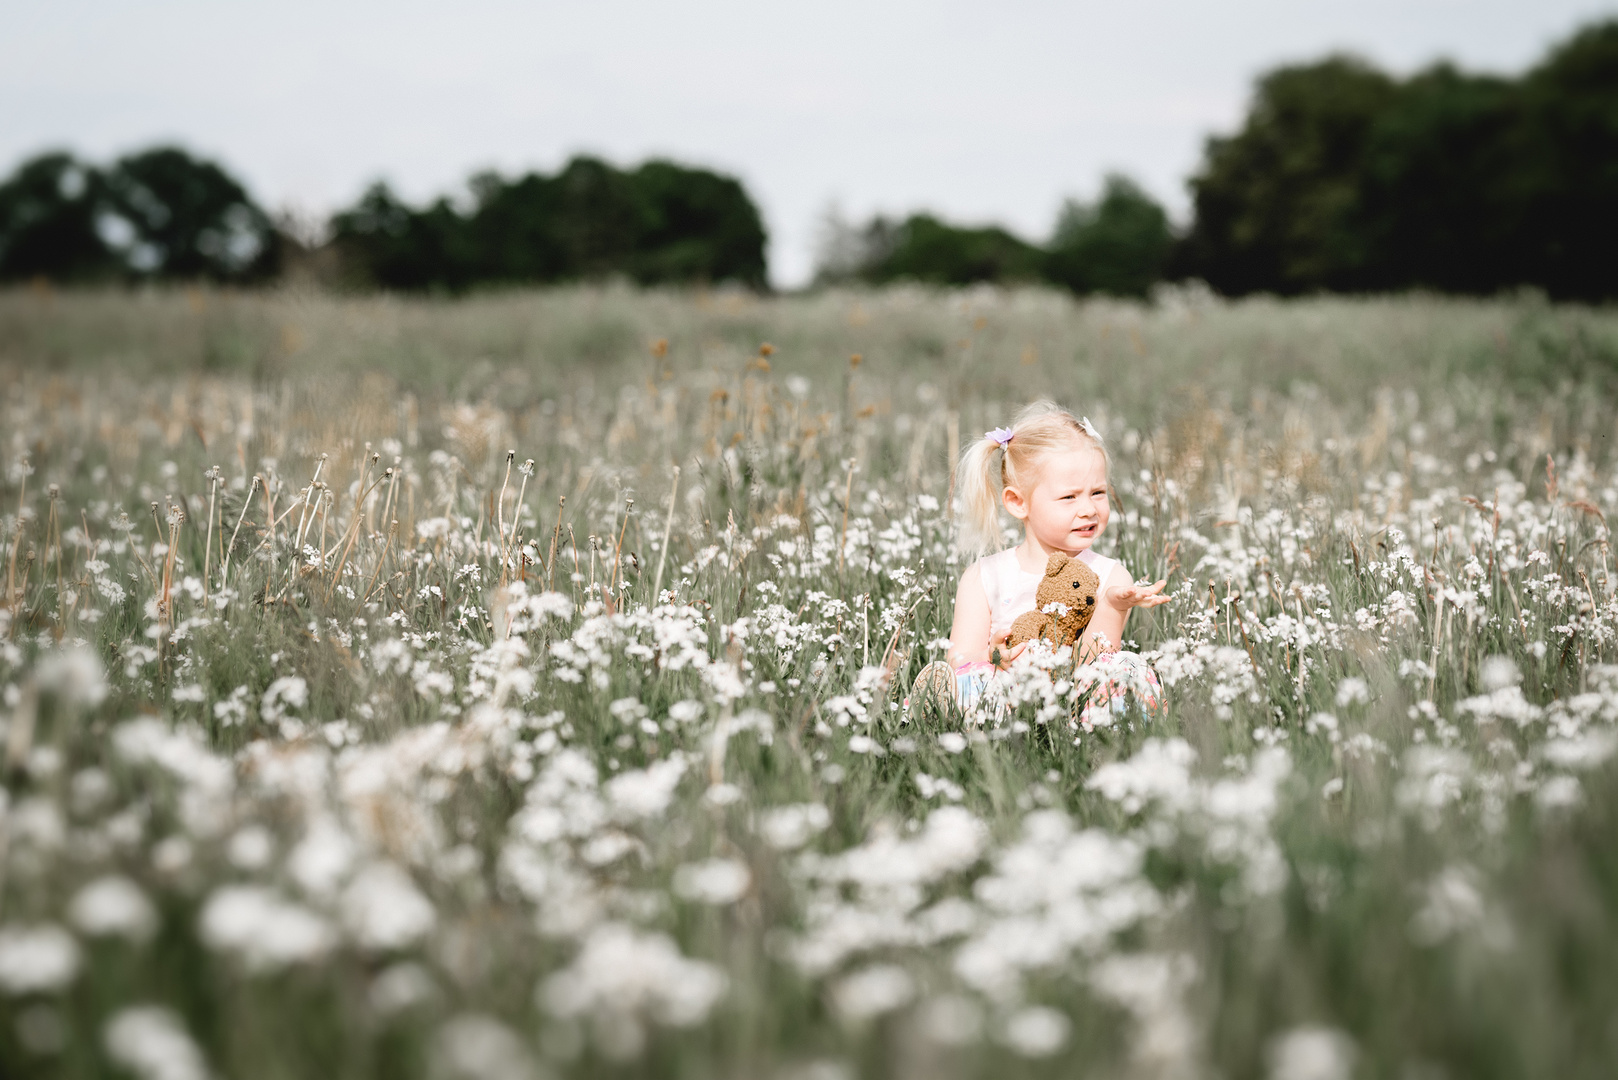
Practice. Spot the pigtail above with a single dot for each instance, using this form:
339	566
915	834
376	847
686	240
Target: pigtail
978	481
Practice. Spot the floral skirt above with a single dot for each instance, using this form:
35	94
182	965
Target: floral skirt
1103	686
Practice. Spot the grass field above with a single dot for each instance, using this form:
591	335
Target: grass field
512	687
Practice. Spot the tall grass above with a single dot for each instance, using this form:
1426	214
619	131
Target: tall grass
380	752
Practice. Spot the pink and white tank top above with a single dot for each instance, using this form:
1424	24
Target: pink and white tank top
1011	589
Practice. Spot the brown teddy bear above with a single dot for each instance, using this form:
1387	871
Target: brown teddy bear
1072	584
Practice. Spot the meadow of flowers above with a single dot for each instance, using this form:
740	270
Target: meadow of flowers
513	687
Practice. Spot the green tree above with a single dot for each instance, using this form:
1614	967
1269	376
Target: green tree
48	222
1276	204
1118	245
661	222
382	241
1441	199
923	248
1343	178
185	217
696	225
1569	167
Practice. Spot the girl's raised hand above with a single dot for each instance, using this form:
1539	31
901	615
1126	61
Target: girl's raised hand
1124	597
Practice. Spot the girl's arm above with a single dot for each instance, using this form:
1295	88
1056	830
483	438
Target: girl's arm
1118	596
969	637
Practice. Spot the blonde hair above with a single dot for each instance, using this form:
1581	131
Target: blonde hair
989	466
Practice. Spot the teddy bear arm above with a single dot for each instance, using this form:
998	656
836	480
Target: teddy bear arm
1028	625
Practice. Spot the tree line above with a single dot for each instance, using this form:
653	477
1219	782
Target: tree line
658	223
164	214
1341	178
1120	244
160	213
1346	178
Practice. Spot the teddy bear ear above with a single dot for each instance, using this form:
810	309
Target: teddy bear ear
1056	563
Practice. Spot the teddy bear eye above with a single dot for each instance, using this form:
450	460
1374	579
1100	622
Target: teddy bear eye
1076	584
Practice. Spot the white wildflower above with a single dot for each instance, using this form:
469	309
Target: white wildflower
73	672
1558	793
151	1042
790	827
621	977
401	986
716	881
476	1047
646	793
251	848
284	694
42	958
1498	672
723	795
383	909
113	906
265	930
1159	772
1453	903
1311	1053
686	711
873	991
1352	691
322	859
1583	751
1035	1032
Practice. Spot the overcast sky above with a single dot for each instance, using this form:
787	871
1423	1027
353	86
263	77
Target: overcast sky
980	112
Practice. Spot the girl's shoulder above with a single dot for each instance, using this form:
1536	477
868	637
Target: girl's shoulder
999	574
1000	559
1000	565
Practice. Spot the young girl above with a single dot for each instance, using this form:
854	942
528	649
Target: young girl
1049	470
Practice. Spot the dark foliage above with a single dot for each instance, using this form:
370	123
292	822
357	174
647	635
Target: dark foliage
1344	178
1117	246
923	248
158	214
189	218
659	223
1275	203
48	210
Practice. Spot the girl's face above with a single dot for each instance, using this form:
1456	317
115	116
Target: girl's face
1068	507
